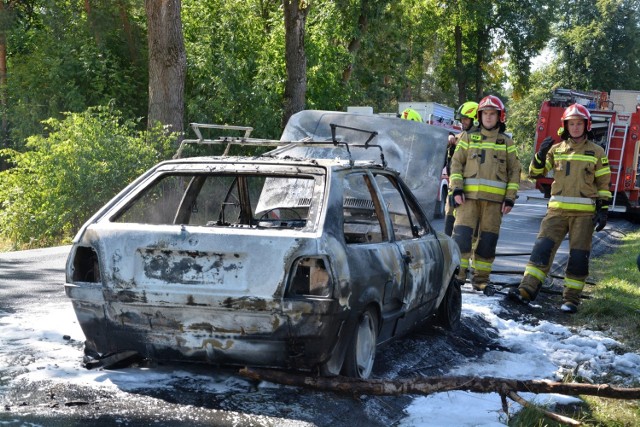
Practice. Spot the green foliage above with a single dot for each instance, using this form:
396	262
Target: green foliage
496	37
65	177
522	116
57	61
235	62
596	45
374	52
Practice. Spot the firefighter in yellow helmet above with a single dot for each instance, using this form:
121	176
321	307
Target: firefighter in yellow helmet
411	114
578	204
485	177
467	115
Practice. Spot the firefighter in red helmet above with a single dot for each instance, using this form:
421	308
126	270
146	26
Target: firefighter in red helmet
485	177
578	204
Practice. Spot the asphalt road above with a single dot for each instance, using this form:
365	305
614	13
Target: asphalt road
30	278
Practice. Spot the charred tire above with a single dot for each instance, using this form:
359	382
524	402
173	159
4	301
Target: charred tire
449	311
440	208
361	351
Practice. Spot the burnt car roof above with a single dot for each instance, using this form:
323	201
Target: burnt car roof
266	160
415	150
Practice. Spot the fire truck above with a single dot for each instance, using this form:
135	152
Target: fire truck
615	126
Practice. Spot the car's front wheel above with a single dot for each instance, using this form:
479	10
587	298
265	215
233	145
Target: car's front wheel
449	311
361	353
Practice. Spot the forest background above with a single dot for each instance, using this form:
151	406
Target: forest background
93	92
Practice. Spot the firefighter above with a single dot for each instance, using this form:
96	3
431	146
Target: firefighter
485	178
467	115
411	114
579	202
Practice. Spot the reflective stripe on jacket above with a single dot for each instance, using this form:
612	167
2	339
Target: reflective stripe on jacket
581	176
485	166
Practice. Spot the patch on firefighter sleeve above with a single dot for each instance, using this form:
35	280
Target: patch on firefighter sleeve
604	161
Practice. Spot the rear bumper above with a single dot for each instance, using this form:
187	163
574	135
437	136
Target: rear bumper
296	333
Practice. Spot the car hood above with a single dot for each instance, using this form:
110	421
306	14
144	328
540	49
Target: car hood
416	150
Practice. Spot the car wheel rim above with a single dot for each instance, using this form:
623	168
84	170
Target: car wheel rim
366	346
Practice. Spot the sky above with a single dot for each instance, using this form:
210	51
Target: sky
52	342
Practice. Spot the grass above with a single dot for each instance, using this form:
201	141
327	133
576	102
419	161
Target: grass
614	308
615	300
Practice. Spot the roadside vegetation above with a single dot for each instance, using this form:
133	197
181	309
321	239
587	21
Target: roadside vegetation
62	59
64	177
613	307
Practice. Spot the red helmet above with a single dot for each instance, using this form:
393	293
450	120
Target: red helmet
491	102
576	111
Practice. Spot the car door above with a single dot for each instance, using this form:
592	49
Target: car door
376	268
415	241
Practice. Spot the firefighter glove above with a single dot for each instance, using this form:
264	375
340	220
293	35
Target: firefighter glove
457	192
508	202
452	201
541	155
600	218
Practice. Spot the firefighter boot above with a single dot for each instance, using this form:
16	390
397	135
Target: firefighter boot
570	300
479	286
519	295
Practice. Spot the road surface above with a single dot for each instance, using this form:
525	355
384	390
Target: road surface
31	292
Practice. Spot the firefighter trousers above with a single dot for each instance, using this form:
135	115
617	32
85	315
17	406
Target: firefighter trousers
476	232
553	229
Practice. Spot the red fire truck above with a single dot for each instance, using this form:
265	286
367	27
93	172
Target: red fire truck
615	126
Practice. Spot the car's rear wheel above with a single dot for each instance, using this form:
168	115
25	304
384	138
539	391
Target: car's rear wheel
440	208
361	353
449	311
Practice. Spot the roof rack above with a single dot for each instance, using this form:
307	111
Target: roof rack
229	140
334	142
282	146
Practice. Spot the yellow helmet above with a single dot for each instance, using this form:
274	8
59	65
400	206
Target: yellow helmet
411	114
469	110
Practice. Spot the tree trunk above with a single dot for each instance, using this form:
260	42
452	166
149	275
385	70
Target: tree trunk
126	25
482	37
356	41
431	385
167	64
92	22
295	16
460	74
3	84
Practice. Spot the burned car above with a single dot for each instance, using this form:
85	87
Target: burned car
296	263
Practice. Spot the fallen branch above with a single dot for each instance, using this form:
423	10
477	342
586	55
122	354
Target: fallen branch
431	385
551	415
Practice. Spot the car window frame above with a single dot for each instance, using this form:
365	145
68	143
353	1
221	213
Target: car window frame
316	173
409	201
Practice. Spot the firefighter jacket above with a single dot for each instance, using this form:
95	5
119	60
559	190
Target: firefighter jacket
452	149
485	166
581	176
